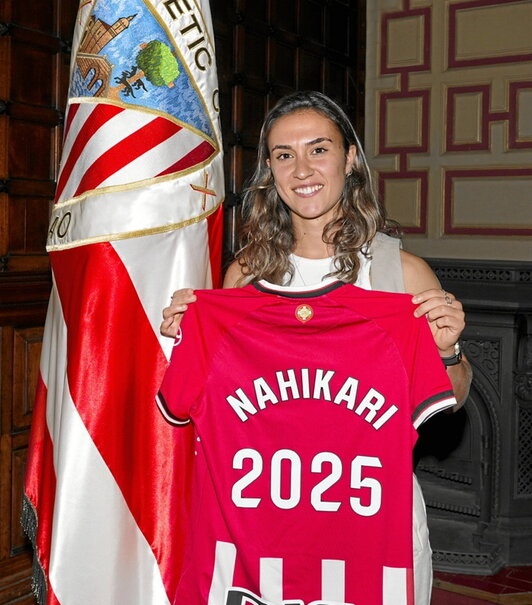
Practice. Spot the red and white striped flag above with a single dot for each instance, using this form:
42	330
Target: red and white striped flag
137	215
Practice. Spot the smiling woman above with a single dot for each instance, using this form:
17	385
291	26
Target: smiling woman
309	174
309	214
311	193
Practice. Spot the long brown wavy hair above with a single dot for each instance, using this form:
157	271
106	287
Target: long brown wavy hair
267	236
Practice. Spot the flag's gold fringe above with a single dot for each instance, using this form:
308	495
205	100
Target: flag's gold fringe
131	234
131	186
144	109
30	522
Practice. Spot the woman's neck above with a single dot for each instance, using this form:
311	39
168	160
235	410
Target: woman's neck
309	241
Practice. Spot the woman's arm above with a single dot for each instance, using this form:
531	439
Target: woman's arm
447	321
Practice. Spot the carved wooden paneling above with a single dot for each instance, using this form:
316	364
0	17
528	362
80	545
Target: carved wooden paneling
21	349
34	111
15	585
34	65
26	356
19	541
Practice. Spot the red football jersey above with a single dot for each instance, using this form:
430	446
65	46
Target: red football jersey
305	405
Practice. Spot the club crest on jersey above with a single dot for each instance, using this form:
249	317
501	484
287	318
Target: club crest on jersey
240	596
304	313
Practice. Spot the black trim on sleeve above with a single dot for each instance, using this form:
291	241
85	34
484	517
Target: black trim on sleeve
165	411
422	407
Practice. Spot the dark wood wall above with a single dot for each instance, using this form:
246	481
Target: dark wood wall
34	65
265	48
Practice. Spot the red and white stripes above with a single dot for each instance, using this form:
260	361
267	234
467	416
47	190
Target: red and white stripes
106	145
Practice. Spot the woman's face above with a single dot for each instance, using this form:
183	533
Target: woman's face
309	163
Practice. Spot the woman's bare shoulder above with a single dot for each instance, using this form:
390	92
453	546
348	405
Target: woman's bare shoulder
234	276
417	274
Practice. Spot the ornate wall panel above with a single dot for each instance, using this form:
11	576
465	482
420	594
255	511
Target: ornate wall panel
449	126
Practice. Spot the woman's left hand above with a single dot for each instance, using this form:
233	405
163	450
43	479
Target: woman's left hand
445	315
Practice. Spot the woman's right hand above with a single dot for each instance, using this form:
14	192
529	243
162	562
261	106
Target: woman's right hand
173	314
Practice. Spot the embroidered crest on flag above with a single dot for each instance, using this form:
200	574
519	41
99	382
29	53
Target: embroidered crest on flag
141	112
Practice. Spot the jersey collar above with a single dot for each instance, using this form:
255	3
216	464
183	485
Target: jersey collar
311	291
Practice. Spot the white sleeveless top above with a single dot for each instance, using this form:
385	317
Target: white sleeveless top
311	271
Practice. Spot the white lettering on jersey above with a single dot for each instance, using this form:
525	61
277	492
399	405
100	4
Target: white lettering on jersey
385	417
263	393
288	383
178	337
240	403
367	490
347	393
293	384
373	401
321	385
305	383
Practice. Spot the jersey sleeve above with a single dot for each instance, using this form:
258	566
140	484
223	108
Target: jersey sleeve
185	376
431	389
203	329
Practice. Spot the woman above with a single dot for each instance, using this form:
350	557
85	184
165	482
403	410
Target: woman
310	212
